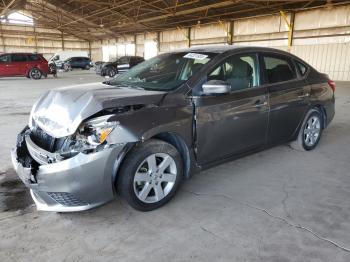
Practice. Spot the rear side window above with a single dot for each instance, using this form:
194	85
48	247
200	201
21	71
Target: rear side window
5	58
123	60
301	67
278	69
19	58
33	57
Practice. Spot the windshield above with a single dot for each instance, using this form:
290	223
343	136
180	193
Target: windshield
164	72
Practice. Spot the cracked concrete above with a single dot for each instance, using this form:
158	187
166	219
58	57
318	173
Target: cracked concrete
271	215
284	200
276	205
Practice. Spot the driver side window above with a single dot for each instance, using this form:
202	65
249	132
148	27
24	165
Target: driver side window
239	71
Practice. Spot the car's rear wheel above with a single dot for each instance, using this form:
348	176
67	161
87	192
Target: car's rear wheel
310	131
150	175
35	73
111	72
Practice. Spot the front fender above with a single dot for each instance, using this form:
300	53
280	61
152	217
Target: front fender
146	123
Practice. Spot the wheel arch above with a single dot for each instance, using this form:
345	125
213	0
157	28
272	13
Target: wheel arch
179	143
320	108
323	112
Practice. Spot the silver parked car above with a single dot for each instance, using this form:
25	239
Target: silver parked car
142	132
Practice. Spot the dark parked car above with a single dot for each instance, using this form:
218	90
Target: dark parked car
141	133
121	65
23	64
77	62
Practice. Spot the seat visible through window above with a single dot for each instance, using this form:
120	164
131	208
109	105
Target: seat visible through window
240	75
239	71
278	69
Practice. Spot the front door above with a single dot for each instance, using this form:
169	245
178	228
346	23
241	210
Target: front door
236	122
19	64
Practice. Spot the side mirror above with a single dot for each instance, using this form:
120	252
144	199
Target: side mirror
216	87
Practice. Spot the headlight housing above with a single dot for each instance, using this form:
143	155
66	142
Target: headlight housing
95	132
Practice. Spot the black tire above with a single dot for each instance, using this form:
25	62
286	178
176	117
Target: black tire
111	72
300	143
35	73
87	67
131	164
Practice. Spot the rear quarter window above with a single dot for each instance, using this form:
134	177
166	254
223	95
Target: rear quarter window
302	68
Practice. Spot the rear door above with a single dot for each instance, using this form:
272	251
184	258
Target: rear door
123	64
233	123
288	96
5	65
19	64
74	62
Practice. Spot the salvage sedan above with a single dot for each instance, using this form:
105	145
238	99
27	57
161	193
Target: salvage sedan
140	134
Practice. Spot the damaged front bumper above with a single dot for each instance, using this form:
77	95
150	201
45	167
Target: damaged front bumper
78	183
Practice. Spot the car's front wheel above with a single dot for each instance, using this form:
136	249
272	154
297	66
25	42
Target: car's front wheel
310	131
150	175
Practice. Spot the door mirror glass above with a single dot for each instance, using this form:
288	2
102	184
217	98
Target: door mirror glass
216	87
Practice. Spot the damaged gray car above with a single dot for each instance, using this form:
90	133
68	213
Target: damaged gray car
140	134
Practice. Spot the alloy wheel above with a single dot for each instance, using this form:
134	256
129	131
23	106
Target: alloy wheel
35	73
312	131
155	177
111	73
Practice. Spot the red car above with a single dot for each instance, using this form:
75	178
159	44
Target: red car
23	64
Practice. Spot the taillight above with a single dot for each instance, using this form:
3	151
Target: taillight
331	85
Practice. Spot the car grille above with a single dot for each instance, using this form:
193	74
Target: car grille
66	199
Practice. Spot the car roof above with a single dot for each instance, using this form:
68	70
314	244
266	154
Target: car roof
225	48
21	53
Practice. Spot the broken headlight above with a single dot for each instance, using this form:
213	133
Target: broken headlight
95	132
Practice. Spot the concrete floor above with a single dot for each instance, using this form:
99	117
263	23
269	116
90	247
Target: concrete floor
276	205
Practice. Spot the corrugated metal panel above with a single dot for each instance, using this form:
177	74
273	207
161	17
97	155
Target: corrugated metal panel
209	31
260	25
173	35
166	47
322	18
331	59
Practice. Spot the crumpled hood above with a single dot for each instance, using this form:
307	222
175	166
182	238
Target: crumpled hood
59	112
